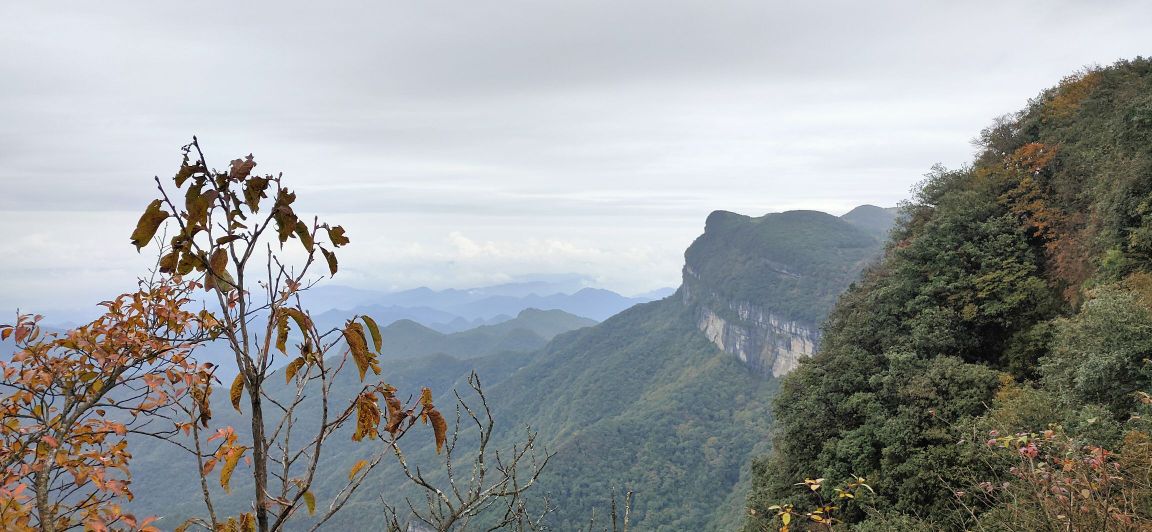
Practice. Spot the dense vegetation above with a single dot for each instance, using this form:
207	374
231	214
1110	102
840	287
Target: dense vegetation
794	262
641	402
993	370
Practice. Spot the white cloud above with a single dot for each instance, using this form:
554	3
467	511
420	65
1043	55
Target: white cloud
593	135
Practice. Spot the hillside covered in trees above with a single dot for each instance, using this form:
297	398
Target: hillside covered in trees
993	371
643	402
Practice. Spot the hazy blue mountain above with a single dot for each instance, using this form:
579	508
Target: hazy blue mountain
530	330
455	310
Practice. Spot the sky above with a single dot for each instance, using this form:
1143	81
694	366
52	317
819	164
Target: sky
472	143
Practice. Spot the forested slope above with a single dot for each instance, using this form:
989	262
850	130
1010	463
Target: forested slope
992	371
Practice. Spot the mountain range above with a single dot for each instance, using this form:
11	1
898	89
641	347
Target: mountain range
648	400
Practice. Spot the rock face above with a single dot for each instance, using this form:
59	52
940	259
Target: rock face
760	287
765	342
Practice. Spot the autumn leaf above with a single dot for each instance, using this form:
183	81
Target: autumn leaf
254	191
230	462
439	428
336	236
282	331
236	391
292	368
305	236
148	225
367	417
354	335
169	261
284	215
356	469
240	169
186	171
374	329
396	413
218	271
299	317
331	258
310	500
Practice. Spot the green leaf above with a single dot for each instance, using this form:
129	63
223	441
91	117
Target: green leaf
374	329
148	225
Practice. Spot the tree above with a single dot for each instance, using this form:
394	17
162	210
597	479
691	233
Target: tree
230	230
69	400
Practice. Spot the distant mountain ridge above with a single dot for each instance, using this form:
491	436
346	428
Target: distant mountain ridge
454	310
532	329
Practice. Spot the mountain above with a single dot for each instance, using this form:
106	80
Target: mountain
455	310
876	220
992	371
644	401
529	331
761	287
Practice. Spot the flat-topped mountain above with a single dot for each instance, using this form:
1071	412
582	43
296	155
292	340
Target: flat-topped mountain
760	287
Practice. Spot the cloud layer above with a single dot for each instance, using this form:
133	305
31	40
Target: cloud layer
593	135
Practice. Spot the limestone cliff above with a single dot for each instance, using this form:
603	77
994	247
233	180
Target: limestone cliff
760	287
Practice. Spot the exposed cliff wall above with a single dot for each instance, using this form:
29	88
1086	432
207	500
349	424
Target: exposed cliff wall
760	287
766	342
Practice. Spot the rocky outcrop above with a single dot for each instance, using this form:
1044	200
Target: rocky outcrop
766	342
760	287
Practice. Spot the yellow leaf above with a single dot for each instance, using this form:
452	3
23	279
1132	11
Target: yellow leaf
229	466
356	469
299	317
148	225
236	392
367	417
282	331
292	368
310	500
354	335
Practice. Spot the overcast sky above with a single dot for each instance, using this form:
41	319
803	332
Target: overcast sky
465	143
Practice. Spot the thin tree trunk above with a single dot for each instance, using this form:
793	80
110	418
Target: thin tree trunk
43	506
259	461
